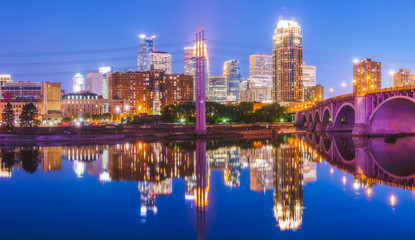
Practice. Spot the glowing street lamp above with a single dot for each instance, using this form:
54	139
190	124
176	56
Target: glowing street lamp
390	78
331	91
343	85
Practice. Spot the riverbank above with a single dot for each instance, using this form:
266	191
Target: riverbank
146	133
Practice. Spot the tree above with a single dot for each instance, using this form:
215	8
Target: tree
168	113
7	157
7	117
85	116
67	119
29	116
106	116
30	159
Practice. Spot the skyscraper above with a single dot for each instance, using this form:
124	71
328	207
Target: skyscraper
94	82
146	47
288	59
160	61
260	65
190	64
105	71
78	83
403	78
233	77
217	89
366	76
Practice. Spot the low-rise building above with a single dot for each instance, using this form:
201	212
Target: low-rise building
80	103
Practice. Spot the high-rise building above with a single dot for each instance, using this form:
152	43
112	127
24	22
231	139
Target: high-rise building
309	75
403	78
160	61
288	59
78	83
260	65
366	76
94	82
146	47
21	90
217	89
51	97
233	77
105	71
313	94
256	94
147	92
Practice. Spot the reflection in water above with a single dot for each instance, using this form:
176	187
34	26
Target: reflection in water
283	167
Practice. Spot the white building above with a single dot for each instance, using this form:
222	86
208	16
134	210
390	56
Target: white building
309	75
105	71
160	61
78	83
217	89
260	65
256	94
4	78
94	82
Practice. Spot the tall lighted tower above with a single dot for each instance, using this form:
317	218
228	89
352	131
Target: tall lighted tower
233	77
146	47
78	83
200	80
288	59
367	76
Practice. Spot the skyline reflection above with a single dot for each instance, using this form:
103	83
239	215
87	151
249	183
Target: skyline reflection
284	167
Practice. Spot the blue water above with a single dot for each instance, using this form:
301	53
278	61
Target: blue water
69	204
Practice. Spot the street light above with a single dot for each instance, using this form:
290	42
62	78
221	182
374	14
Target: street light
390	78
343	85
331	91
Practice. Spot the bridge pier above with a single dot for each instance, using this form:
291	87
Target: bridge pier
318	127
360	127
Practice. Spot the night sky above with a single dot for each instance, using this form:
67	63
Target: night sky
53	40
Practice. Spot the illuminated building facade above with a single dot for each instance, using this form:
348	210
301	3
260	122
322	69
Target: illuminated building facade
217	89
260	65
147	92
256	94
3	79
94	82
21	90
288	59
51	97
403	78
160	61
313	93
233	77
83	102
146	46
18	105
366	76
190	65
78	83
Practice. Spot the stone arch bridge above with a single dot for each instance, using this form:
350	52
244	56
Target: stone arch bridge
386	111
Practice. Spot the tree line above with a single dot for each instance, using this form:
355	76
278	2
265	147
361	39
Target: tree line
243	112
29	117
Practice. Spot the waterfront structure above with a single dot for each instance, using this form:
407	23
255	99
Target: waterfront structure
80	103
94	82
309	75
367	76
147	92
146	47
288	59
21	90
217	89
386	111
313	94
78	83
51	97
260	64
403	78
256	94
200	82
160	61
233	77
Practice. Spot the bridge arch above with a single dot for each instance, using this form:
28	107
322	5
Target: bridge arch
345	148
394	115
317	118
327	117
345	116
310	118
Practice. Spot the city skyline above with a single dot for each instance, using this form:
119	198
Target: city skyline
321	48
